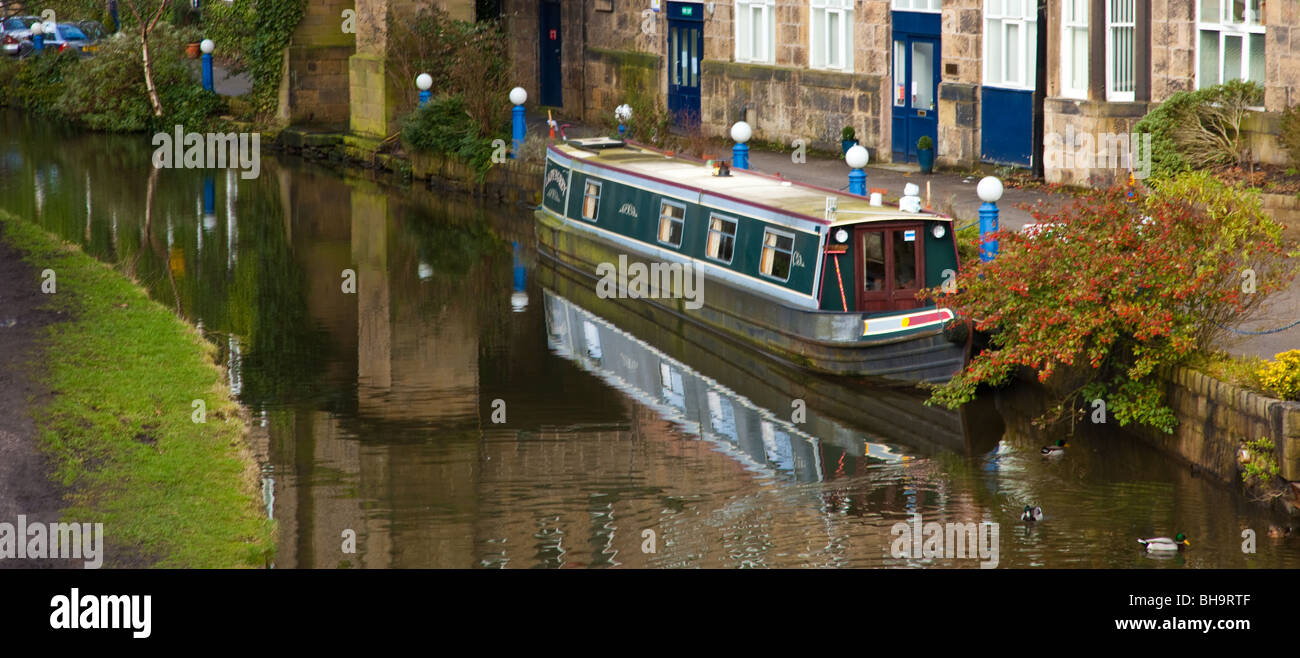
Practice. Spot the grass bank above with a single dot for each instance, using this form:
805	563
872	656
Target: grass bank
123	373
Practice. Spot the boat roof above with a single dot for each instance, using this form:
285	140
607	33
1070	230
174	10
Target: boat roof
742	185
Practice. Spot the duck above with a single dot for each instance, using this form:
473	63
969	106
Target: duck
1032	514
1165	544
1055	450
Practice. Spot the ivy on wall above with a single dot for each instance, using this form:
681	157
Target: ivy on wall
251	36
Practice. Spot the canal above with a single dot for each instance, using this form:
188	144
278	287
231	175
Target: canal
470	406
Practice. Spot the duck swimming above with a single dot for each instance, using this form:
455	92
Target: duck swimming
1032	514
1055	450
1165	544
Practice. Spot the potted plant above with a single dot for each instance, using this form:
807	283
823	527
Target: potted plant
848	139
925	154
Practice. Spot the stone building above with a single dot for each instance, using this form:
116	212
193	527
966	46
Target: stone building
977	76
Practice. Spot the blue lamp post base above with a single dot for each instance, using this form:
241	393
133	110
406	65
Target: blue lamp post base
740	156
988	225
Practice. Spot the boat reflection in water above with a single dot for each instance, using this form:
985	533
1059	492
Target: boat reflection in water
773	418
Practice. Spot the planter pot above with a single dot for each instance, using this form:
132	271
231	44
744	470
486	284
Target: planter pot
925	158
846	144
193	51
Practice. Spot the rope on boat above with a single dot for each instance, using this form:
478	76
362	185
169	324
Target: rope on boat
838	277
1261	333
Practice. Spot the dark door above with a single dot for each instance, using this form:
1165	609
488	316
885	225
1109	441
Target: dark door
915	84
685	50
551	94
890	266
916	92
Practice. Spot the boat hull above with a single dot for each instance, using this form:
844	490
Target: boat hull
830	343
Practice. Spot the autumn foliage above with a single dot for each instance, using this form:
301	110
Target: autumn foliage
1114	288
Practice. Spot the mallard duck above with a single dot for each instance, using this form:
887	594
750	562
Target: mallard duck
1165	544
1055	450
1032	514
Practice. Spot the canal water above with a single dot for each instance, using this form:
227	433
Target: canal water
470	406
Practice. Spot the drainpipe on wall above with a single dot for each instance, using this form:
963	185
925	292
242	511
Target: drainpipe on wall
1040	90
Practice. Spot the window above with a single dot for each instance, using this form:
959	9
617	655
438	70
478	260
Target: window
1074	48
1120	29
670	383
900	73
755	31
1230	41
591	200
918	5
722	238
831	36
777	250
1010	43
671	216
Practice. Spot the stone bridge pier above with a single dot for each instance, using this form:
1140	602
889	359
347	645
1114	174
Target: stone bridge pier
336	66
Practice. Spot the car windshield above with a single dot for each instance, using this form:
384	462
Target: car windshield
72	33
15	24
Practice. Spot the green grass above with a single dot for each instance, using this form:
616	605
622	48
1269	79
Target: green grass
123	372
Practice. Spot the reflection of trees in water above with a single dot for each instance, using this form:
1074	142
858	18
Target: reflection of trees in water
268	307
465	257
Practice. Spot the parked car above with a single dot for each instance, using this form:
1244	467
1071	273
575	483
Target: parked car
93	29
67	36
15	30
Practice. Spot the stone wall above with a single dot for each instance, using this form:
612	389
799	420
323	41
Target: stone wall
1173	48
316	89
789	103
961	73
1061	115
614	75
1281	55
1214	417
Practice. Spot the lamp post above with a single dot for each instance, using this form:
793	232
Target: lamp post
518	120
857	158
207	46
989	191
38	36
623	113
740	132
424	82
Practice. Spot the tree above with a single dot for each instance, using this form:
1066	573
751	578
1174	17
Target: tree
1116	288
147	13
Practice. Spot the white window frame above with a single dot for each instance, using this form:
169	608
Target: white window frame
763	247
1113	26
1252	24
664	205
723	236
595	212
997	22
819	41
1068	28
746	7
922	6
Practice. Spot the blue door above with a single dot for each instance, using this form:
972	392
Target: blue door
685	50
915	89
1007	136
550	78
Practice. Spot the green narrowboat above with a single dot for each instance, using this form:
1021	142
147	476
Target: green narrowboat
811	276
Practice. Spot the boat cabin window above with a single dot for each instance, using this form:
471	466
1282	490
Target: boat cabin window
777	250
591	200
671	217
722	238
891	266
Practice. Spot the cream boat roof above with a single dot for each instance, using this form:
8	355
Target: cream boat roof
742	185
